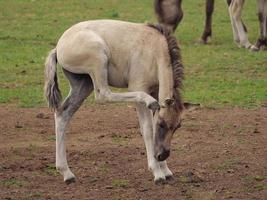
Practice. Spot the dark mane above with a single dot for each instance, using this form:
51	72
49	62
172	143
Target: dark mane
174	52
175	56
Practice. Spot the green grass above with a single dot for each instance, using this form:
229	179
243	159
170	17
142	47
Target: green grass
218	74
120	183
227	164
11	182
50	169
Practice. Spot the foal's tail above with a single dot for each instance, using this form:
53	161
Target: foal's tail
51	90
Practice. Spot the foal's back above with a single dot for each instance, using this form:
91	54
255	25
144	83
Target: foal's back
123	46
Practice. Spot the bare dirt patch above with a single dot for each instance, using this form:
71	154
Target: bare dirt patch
217	154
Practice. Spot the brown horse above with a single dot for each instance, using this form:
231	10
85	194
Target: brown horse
170	14
143	58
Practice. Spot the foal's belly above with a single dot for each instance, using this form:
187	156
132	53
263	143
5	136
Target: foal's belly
117	78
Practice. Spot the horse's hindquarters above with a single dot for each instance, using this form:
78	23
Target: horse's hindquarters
80	51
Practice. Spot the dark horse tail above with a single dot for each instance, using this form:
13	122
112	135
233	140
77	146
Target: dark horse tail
51	89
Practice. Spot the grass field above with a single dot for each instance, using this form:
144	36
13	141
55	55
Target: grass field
218	74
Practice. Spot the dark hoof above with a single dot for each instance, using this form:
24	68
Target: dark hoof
71	180
160	181
203	41
169	178
154	106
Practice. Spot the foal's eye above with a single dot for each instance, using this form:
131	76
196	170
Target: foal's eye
162	125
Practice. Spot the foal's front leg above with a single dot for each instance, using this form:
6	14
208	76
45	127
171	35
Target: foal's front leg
165	169
160	170
103	93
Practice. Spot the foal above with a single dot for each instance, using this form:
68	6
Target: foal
143	58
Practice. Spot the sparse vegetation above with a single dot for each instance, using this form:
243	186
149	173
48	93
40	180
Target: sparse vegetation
120	183
227	164
50	169
12	182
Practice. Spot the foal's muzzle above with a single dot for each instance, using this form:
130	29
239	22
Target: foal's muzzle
162	155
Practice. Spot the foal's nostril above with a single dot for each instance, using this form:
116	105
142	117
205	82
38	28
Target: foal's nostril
163	155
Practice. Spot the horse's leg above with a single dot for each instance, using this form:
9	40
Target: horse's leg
180	14
234	28
99	75
240	35
208	25
146	125
81	87
262	15
229	3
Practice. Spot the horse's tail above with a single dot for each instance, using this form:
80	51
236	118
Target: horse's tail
51	89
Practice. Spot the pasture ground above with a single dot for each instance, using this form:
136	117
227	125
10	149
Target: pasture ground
217	154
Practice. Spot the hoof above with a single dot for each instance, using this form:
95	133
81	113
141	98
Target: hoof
154	106
202	41
254	48
70	180
160	181
248	47
169	178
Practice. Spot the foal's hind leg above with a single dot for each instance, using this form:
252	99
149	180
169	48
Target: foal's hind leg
81	87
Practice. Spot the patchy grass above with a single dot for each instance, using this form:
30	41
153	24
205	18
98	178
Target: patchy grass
51	138
258	178
103	168
12	182
218	74
227	164
120	140
207	195
51	170
120	183
254	183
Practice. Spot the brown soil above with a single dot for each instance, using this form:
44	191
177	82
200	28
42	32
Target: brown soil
217	154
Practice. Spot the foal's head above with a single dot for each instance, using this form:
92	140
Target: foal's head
166	121
168	118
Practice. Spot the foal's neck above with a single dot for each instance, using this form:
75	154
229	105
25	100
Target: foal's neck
165	76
